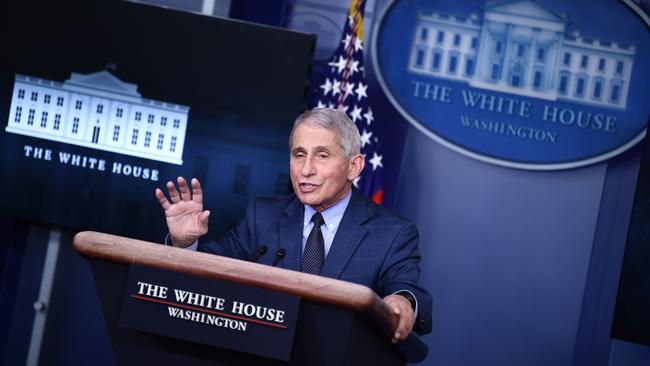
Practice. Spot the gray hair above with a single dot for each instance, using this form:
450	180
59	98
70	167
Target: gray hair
332	119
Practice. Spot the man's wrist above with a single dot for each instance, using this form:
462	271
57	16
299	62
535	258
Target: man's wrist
408	296
170	242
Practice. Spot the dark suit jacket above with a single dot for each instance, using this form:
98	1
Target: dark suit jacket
373	246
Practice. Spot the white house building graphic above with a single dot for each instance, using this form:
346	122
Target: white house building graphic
98	111
521	48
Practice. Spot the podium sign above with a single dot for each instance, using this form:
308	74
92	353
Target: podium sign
223	314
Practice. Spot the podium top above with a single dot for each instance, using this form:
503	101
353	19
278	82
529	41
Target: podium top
313	288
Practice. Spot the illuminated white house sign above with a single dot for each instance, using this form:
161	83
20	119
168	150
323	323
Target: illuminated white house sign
98	111
521	48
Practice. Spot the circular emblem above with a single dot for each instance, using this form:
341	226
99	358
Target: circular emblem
522	83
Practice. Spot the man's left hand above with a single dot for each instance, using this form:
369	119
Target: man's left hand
401	308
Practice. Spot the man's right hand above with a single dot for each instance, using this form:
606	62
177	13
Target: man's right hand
186	220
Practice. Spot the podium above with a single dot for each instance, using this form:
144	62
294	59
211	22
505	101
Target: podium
338	323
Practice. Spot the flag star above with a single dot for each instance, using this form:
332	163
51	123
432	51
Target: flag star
369	117
327	86
343	108
340	64
358	44
365	138
356	181
356	113
336	87
376	161
330	105
354	67
321	104
346	41
361	91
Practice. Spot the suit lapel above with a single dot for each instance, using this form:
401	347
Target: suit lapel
348	236
290	228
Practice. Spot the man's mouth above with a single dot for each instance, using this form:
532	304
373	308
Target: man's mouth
308	187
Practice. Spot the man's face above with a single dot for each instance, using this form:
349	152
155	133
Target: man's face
321	175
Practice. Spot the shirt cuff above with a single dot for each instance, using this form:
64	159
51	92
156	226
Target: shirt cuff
193	247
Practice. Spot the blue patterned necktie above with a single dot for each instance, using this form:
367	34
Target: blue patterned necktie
314	255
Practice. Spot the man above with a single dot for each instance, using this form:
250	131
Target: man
326	228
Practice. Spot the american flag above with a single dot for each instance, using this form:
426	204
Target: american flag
345	87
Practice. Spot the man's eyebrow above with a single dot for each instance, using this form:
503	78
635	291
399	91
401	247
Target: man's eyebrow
298	149
322	149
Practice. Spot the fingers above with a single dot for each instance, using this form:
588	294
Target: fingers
184	188
404	326
401	307
164	202
173	193
197	192
182	194
203	218
399	329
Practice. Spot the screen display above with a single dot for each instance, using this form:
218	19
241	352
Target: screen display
103	101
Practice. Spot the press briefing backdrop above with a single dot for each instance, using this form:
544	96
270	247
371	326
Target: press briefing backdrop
106	100
524	264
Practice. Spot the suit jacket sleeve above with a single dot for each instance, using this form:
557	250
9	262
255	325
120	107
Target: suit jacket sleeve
400	271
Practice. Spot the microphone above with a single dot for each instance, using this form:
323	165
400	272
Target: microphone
261	250
278	256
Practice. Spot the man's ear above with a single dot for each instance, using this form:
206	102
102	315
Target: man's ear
356	166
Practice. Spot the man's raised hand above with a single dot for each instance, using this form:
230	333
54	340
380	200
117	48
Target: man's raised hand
186	220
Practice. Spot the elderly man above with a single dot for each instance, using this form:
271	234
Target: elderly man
326	228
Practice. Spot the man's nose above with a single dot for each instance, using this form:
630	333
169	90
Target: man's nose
308	167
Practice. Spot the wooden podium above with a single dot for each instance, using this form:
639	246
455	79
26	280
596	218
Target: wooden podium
338	323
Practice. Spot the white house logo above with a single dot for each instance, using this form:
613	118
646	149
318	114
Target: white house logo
506	54
518	83
98	111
